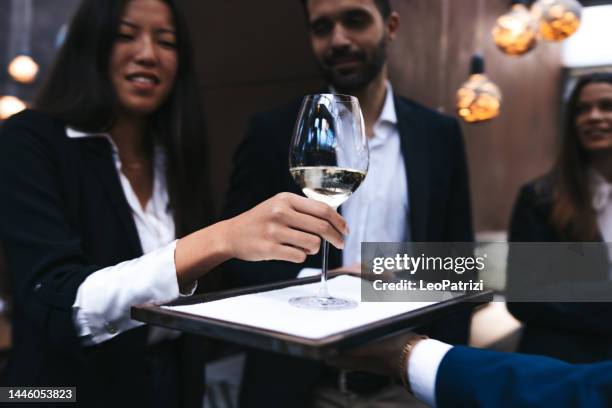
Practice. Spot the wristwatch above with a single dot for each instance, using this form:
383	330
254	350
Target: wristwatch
403	360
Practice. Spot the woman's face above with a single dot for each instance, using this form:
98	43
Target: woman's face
144	58
594	117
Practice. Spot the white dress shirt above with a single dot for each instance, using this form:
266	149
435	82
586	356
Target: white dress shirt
601	190
102	307
378	210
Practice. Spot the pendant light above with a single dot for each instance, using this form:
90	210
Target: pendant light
478	99
515	32
558	19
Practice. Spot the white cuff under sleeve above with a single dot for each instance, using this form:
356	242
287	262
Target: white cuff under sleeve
423	365
102	306
308	272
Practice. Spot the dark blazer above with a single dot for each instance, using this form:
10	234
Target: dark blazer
576	332
63	215
440	211
480	378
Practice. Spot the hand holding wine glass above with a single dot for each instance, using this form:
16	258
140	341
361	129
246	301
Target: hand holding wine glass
329	160
286	227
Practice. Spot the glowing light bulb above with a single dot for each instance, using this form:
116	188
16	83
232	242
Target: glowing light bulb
515	32
10	105
23	69
478	99
558	19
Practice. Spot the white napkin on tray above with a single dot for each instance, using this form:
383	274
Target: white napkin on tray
271	310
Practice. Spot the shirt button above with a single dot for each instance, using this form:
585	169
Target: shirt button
111	329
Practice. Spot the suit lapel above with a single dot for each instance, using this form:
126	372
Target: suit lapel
414	146
97	153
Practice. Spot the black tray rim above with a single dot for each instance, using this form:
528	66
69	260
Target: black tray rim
279	342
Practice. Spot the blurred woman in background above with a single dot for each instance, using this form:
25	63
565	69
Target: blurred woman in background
573	203
97	182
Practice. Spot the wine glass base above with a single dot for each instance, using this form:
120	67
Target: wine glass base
322	303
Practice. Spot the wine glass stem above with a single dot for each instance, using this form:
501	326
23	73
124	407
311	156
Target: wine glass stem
323	292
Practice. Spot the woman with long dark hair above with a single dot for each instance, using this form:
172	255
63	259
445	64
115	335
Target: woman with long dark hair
573	203
97	182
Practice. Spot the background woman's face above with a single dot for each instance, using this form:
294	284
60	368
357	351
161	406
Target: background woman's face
144	57
594	117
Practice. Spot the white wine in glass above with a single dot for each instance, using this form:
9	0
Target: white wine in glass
329	160
328	184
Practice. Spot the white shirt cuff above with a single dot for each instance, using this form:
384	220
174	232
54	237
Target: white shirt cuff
102	306
308	272
423	365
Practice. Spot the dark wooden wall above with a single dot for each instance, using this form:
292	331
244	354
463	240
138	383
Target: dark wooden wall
515	147
253	56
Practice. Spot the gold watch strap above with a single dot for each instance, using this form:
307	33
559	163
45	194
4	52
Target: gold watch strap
403	360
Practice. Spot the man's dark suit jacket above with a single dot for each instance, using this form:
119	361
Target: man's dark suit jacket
440	211
480	378
63	215
575	332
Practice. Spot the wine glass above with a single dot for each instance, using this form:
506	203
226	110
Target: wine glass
328	159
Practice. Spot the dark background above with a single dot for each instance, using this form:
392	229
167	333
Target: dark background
254	55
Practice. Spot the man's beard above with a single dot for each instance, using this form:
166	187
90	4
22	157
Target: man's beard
356	80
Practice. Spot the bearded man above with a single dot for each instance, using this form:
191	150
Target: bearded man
416	190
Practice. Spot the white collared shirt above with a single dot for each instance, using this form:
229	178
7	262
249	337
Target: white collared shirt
601	191
102	306
378	210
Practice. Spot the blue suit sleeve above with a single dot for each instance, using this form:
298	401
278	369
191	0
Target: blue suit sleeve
480	378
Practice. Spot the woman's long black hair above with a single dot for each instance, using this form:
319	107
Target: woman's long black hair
79	92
